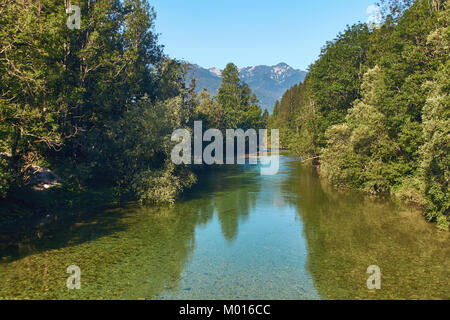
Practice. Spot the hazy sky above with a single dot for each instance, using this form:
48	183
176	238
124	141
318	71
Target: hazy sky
212	33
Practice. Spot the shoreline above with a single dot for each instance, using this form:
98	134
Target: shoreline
76	205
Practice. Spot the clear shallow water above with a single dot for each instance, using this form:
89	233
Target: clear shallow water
239	235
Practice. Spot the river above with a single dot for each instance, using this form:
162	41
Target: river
239	235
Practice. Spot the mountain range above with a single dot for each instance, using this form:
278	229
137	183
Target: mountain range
269	83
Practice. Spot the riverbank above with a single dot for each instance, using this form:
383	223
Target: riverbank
237	235
31	209
407	194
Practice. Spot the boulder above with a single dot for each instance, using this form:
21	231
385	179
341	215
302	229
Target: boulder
44	178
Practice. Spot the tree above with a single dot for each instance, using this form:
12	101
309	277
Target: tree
435	151
265	118
335	78
373	107
240	109
30	47
229	96
141	154
77	100
359	151
210	111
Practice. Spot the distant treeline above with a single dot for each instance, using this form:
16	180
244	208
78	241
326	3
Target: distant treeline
374	108
97	105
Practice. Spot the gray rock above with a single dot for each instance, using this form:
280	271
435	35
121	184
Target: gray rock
43	178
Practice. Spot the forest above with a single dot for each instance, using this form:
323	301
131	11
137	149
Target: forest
93	107
374	112
97	106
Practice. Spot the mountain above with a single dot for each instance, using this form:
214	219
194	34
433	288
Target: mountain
269	83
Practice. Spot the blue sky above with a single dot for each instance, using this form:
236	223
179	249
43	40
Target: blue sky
212	33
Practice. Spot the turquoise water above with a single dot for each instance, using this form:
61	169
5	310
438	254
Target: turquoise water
252	248
238	235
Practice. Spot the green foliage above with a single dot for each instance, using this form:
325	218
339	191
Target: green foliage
332	84
359	151
142	150
30	45
336	77
375	107
296	117
96	104
210	111
163	185
238	104
435	151
99	104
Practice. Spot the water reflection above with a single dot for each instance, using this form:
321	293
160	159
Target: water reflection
347	232
131	252
237	235
232	194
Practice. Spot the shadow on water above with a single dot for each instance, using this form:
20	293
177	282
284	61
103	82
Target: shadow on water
87	227
101	222
131	252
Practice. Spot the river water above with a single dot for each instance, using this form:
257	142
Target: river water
240	235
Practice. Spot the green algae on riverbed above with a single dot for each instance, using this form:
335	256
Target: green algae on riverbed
239	235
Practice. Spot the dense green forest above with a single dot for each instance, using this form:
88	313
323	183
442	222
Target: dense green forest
97	105
374	108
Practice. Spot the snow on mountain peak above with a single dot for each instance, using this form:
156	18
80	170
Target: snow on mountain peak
216	71
279	72
267	82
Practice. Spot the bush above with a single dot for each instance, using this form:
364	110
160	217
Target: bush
161	186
